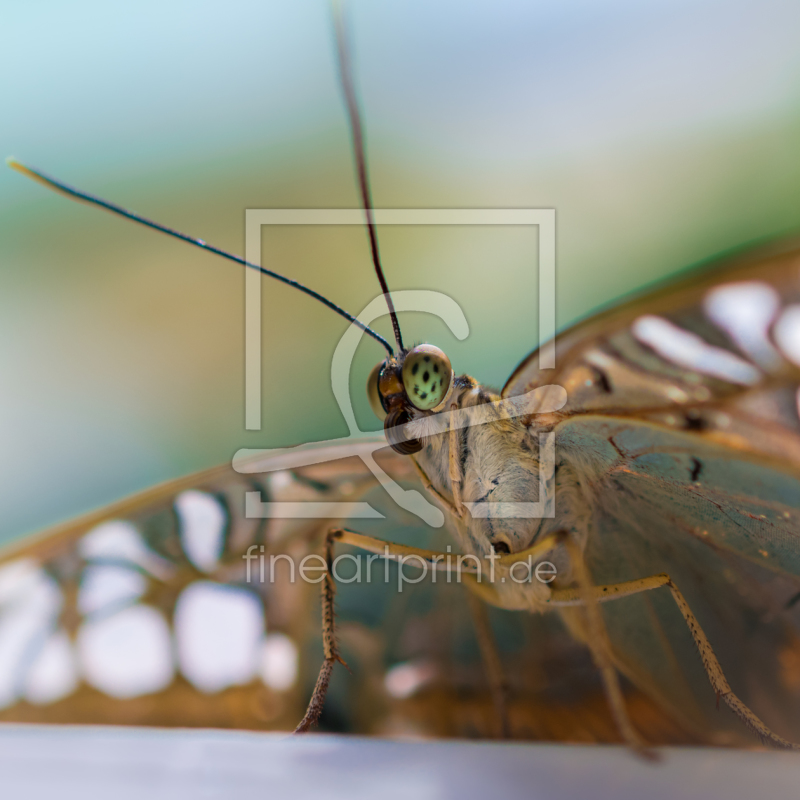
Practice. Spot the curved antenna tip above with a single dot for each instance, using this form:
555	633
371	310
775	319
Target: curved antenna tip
18	166
50	183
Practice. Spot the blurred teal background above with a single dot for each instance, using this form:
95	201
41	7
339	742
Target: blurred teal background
661	133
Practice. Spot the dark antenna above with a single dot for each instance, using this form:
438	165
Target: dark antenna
85	197
359	150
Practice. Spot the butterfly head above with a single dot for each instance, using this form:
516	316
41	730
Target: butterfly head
420	379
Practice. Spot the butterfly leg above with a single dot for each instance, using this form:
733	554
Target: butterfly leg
600	647
381	547
328	643
498	686
601	594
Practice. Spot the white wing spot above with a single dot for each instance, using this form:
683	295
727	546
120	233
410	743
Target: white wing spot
787	333
120	540
54	673
104	585
218	630
404	680
278	665
745	312
202	526
17	576
31	602
127	654
690	351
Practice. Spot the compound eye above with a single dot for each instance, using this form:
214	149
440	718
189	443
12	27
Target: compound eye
427	375
374	394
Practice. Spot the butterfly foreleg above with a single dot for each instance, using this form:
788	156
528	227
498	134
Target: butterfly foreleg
329	645
468	571
601	594
423	558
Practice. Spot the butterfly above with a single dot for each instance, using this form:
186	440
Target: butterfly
667	475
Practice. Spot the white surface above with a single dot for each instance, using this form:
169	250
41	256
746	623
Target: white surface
95	762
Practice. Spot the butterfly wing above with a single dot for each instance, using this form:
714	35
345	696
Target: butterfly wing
716	353
688	398
728	533
143	612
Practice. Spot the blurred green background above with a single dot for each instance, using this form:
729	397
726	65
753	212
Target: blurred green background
661	133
